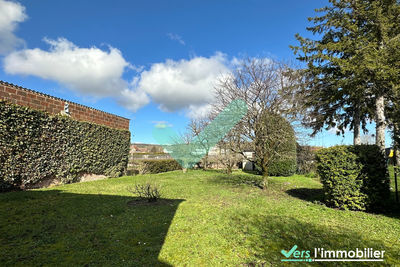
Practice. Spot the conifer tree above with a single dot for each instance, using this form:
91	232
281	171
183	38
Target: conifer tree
354	66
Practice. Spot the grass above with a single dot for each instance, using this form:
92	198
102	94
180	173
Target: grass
210	219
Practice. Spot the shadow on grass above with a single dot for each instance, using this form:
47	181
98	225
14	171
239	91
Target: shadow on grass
316	195
55	227
267	235
308	194
393	207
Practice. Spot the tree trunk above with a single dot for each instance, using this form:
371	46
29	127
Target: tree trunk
356	128
397	155
205	162
265	182
396	145
228	169
264	172
380	122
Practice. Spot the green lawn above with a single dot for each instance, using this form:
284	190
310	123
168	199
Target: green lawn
210	219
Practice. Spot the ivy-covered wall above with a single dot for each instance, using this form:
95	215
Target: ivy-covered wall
35	146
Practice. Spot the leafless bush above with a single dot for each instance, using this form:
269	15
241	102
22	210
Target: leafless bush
148	191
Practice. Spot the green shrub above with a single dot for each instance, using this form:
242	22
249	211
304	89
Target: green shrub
35	146
375	175
354	177
282	167
156	165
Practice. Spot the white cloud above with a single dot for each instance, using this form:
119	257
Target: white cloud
198	111
89	71
176	37
11	13
133	99
174	85
184	84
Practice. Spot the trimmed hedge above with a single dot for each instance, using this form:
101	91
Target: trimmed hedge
35	146
354	177
156	165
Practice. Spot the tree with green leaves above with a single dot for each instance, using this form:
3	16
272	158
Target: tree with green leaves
353	69
275	143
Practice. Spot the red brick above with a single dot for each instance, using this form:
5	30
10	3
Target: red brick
21	93
31	95
40	98
11	90
54	106
3	94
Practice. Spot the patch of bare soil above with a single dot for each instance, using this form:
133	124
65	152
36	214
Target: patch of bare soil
46	182
91	177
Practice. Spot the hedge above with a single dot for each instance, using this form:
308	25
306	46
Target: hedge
35	146
156	165
354	177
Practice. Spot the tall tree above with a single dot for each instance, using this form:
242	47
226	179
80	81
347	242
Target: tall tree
381	56
354	66
334	94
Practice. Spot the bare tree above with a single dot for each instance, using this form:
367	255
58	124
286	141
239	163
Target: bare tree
267	86
226	157
195	127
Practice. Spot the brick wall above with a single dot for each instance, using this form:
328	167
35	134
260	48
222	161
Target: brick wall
54	105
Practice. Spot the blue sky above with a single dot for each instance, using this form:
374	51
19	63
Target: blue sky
149	61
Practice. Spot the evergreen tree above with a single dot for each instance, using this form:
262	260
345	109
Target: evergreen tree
353	69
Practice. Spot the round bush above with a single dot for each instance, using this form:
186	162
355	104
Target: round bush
354	177
282	167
